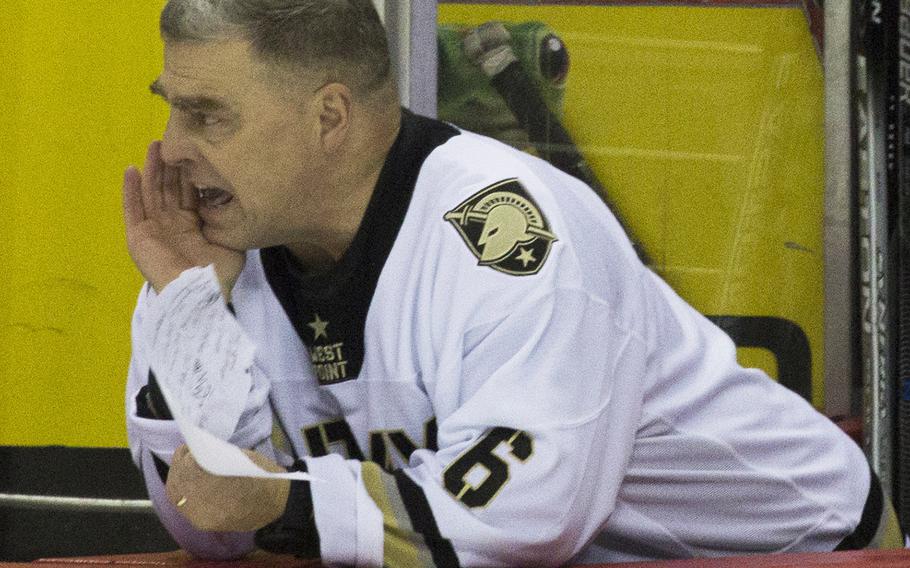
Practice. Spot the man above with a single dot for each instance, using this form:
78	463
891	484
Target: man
455	339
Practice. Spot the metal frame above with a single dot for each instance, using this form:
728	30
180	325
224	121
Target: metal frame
80	504
411	25
840	311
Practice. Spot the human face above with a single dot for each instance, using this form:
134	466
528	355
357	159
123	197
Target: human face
245	142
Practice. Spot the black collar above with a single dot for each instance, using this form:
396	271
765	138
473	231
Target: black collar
342	295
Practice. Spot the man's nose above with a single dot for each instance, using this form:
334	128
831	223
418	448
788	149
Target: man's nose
176	147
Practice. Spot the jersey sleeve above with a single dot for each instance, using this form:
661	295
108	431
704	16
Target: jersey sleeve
153	441
528	465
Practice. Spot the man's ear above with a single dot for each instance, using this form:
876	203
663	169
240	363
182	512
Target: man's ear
335	103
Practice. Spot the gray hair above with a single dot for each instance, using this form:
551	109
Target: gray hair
343	39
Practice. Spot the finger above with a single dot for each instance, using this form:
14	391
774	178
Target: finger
132	197
151	180
188	464
264	462
174	487
180	454
170	187
188	197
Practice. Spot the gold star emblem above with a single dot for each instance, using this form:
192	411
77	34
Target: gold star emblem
526	257
318	328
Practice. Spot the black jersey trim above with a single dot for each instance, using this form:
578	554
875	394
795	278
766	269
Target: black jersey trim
150	402
423	521
342	296
162	467
865	531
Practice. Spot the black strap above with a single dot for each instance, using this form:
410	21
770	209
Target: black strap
868	523
295	531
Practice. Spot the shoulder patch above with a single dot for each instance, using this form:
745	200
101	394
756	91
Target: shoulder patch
504	228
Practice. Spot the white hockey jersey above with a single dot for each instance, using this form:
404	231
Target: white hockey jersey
491	377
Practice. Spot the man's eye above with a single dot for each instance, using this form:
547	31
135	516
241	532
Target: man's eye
203	119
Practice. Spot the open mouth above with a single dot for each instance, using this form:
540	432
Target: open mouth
213	196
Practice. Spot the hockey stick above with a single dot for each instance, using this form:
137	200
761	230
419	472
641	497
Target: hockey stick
901	63
871	110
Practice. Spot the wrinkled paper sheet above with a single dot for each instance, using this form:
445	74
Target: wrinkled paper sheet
202	360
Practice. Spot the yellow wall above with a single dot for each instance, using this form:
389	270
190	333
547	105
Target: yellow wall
75	112
706	127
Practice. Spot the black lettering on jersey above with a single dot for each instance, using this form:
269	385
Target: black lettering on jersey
379	447
327	355
321	437
381	439
430	432
504	228
494	471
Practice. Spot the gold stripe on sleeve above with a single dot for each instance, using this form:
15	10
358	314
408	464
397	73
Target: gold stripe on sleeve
402	546
889	535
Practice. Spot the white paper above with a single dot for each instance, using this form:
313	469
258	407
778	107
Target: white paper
200	352
222	458
202	360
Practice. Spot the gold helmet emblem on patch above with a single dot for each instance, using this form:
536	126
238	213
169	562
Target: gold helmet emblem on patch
504	228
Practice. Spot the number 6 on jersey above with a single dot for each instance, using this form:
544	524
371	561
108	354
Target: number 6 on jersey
455	476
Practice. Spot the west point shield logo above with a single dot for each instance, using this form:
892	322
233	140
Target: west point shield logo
504	228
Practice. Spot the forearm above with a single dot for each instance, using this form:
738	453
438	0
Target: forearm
154	437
